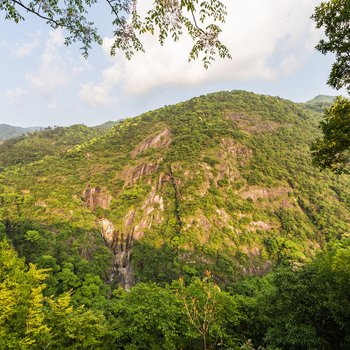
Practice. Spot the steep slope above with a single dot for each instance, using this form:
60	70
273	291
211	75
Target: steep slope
8	131
221	182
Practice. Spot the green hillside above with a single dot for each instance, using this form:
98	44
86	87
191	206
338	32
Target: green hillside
320	102
208	213
47	142
321	99
8	131
221	182
108	125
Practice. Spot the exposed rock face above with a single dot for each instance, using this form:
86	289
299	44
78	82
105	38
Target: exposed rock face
254	124
260	225
121	241
152	210
108	232
230	156
163	139
236	151
256	193
94	197
121	248
141	170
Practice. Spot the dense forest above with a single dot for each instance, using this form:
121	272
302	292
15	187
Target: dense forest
201	225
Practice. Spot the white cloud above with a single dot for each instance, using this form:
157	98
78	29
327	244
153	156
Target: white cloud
56	66
15	94
24	49
266	38
52	73
101	94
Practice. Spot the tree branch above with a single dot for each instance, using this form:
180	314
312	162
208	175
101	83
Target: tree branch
28	9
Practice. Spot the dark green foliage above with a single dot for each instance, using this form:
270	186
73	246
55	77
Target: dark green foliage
48	142
76	259
334	17
309	308
332	151
149	317
160	265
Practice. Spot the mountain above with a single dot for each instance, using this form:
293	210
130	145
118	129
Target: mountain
320	102
222	182
8	131
108	125
321	99
32	147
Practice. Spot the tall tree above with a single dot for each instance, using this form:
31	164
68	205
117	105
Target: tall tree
308	308
21	303
332	151
334	17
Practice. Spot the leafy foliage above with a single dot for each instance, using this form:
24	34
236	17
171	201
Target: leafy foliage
334	17
332	150
309	308
320	102
163	18
37	145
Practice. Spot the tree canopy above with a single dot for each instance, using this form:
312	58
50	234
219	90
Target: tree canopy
164	18
334	17
332	151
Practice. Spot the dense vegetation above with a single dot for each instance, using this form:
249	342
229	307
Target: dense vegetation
220	183
333	149
291	308
28	148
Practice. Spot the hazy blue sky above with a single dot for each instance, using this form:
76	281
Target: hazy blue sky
45	83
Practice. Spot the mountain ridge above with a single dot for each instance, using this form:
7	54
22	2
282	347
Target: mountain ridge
321	102
220	182
8	131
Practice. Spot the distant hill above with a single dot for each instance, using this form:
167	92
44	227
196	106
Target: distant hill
8	131
109	124
320	102
321	99
28	148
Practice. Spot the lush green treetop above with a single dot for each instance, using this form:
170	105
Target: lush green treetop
332	151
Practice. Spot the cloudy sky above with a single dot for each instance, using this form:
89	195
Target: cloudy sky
45	83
